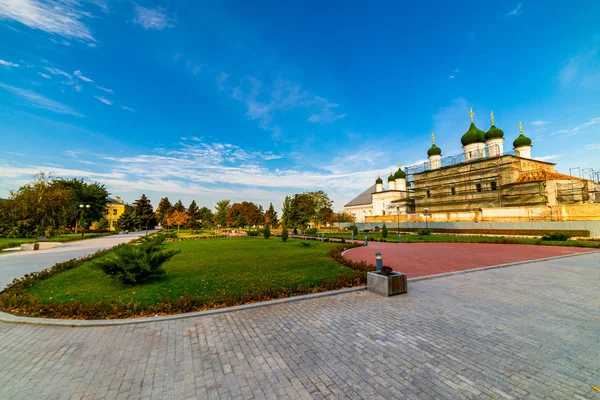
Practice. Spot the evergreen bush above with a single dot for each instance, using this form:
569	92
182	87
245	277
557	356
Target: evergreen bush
384	231
354	230
556	236
284	234
267	232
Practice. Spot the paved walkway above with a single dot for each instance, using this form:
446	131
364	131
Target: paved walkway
422	259
529	331
16	264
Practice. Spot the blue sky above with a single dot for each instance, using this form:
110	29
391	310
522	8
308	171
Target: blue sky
252	101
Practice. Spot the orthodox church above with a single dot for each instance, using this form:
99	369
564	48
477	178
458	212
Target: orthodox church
483	180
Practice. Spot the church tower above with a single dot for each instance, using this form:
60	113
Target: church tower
378	184
391	182
473	141
494	139
435	154
522	144
400	177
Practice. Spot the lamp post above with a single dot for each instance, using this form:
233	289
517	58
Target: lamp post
82	208
398	223
426	213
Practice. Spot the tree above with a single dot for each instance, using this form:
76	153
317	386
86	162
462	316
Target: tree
178	218
126	222
344	216
143	210
355	230
271	216
267	232
163	210
82	193
179	206
304	208
284	234
193	211
231	219
384	231
326	215
102	223
222	208
240	221
206	216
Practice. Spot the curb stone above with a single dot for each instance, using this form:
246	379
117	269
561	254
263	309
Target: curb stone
9	318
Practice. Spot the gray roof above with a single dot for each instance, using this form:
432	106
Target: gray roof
363	198
110	200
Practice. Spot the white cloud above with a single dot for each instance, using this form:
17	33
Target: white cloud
222	77
106	90
548	158
104	100
578	128
193	67
36	100
83	78
582	70
62	17
326	111
539	123
44	75
454	73
593	146
516	11
153	18
127	108
8	64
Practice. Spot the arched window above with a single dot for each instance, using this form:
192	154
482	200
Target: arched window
428	193
493	185
453	190
478	186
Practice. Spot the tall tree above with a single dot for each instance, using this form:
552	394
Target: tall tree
179	206
126	222
205	216
271	216
232	217
83	194
221	215
193	212
178	218
143	210
304	208
163	210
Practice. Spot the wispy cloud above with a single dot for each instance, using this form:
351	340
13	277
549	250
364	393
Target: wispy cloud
539	123
44	75
36	100
193	67
83	78
548	158
104	100
582	70
8	64
153	18
593	146
106	90
326	111
454	73
61	17
127	108
516	11
578	128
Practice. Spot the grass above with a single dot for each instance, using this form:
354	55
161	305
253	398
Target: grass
442	238
219	271
6	243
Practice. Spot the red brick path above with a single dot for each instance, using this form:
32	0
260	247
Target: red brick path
422	259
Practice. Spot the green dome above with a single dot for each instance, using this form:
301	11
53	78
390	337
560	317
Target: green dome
379	180
400	174
434	151
391	178
473	135
521	141
494	133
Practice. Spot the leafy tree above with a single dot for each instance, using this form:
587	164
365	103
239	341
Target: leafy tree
126	222
82	193
143	211
271	216
355	230
344	216
222	208
326	215
267	232
193	212
178	218
240	221
163	210
233	213
384	231
253	214
206	216
284	234
179	206
304	208
102	223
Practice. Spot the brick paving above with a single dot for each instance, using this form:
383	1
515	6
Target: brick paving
529	331
423	259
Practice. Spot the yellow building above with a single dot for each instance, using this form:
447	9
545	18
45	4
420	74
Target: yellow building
114	209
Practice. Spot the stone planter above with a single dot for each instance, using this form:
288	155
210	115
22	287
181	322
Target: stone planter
30	246
387	285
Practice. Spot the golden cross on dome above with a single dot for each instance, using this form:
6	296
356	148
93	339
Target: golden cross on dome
471	113
520	128
432	138
492	116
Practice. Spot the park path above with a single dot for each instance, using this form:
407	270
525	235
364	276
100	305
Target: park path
15	264
526	332
423	259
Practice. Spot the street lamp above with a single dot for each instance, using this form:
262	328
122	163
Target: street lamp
398	219
426	213
82	208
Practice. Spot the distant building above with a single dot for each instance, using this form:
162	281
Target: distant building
114	209
484	182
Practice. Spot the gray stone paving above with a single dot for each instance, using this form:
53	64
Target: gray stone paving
530	331
16	264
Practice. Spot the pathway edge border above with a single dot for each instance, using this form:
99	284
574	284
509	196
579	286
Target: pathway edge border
9	318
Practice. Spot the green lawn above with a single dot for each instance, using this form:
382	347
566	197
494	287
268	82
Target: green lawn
220	271
6	243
